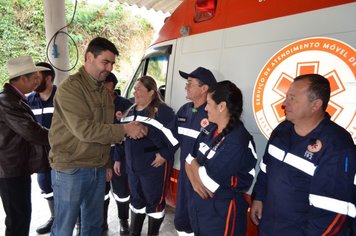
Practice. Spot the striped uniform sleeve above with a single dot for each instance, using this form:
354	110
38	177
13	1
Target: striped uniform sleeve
332	192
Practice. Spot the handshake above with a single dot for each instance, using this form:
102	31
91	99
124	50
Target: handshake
135	130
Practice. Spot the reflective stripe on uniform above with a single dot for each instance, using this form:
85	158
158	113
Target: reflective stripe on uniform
46	110
300	164
188	132
157	215
252	172
117	198
263	167
250	146
208	182
189	159
355	180
292	160
156	124
37	111
276	152
138	211
203	148
334	205
47	195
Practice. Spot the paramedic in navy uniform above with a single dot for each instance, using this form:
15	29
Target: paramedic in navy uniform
41	103
189	119
306	182
149	160
221	166
119	180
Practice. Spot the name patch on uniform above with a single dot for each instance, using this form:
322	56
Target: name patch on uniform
182	119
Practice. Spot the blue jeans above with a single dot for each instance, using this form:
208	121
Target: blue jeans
79	190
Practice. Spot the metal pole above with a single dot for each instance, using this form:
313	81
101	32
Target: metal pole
54	14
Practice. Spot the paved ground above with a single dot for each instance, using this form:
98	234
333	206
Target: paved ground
40	215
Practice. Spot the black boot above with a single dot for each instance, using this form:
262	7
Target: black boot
136	223
46	228
123	213
104	226
154	225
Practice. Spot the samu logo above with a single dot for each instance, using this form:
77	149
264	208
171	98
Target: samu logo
329	57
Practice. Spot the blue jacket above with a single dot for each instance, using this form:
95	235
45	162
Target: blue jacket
121	105
189	124
306	183
161	138
43	110
227	170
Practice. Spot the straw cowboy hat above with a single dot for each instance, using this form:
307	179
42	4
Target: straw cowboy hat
21	66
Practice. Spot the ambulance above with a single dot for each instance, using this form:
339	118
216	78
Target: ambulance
260	45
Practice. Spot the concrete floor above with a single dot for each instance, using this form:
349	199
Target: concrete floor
40	215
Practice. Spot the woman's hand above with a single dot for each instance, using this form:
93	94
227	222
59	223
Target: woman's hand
159	160
192	171
117	168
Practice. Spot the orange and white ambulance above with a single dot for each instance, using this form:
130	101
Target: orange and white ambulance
260	45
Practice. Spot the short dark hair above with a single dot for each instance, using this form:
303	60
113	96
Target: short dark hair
46	73
111	78
98	45
319	88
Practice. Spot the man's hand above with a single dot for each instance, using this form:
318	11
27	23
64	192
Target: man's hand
108	175
117	168
135	130
256	211
159	160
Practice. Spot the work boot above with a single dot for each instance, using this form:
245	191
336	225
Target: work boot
136	223
104	226
123	213
46	228
154	225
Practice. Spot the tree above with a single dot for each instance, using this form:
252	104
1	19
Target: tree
22	31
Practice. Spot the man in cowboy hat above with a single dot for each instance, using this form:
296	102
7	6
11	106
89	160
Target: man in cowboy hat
22	140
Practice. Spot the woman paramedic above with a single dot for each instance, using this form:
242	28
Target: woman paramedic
149	160
221	167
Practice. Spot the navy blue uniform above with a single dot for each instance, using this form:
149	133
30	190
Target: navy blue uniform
308	188
43	111
148	184
227	170
189	121
119	183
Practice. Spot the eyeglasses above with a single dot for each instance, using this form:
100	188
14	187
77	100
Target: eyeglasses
191	84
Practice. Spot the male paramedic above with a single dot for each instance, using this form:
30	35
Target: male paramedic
189	120
306	182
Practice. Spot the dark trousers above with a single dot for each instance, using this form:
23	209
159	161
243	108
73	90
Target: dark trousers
15	194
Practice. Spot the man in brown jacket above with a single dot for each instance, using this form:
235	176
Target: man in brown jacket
81	133
22	142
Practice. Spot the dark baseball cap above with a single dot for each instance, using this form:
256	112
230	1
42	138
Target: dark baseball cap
111	78
202	74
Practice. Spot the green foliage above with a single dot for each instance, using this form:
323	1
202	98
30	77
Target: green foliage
22	30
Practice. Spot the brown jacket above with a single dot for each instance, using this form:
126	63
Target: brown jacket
82	127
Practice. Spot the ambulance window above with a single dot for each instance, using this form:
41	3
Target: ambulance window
154	66
204	10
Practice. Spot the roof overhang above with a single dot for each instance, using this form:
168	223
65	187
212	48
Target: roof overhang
158	5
